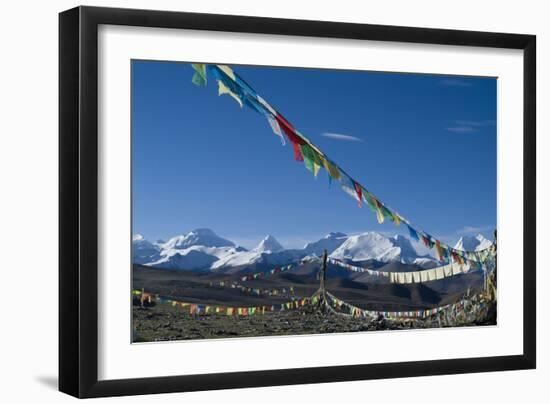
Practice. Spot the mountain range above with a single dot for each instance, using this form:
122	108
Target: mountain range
204	250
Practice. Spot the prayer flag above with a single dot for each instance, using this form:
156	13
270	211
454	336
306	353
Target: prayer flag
290	132
413	233
223	89
430	241
332	170
359	192
379	215
227	70
439	250
199	78
276	128
386	212
396	218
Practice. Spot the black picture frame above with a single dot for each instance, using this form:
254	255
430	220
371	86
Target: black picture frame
78	201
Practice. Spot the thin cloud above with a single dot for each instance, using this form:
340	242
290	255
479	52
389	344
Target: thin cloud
455	83
340	136
461	129
477	124
465	126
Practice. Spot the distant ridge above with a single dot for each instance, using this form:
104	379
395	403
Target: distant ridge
203	250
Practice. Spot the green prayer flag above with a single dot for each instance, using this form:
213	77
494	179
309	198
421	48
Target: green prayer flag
386	212
309	164
199	78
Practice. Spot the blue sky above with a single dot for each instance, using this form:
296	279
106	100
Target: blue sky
423	144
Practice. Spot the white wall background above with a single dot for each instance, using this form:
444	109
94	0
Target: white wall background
28	201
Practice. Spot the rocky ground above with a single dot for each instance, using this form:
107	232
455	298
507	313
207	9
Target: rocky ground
163	322
166	323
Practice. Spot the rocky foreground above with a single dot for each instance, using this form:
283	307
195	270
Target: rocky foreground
166	323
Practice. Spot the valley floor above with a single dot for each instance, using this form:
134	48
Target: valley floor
167	323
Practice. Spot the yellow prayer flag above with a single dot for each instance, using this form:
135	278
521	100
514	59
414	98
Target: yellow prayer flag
316	168
379	216
222	89
227	70
331	168
396	219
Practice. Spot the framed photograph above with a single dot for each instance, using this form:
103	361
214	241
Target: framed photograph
252	201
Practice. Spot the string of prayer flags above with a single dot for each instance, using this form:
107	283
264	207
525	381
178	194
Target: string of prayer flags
255	291
313	158
257	275
422	276
354	311
195	308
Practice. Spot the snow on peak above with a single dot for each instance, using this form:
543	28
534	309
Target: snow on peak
330	242
375	246
143	251
202	237
202	249
471	243
269	244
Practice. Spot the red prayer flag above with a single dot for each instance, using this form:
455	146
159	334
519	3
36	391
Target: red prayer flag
294	139
297	151
359	192
425	241
439	250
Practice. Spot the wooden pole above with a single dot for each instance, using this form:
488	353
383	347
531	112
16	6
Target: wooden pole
322	273
323	304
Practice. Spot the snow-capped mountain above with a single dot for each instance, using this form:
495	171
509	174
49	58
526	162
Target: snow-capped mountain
471	243
202	249
195	257
269	244
203	237
375	246
269	252
330	243
144	251
196	250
